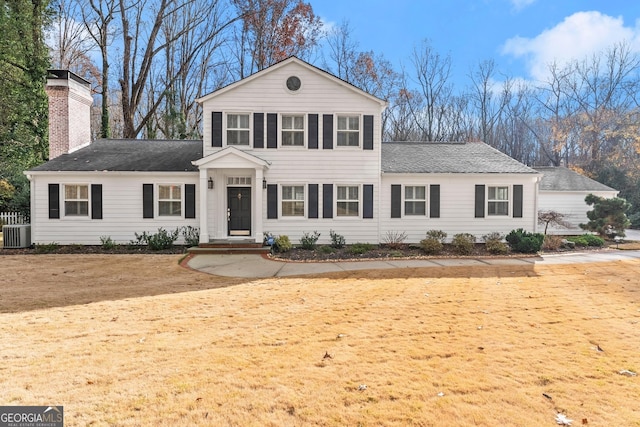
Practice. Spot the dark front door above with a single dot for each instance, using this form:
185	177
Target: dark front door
239	211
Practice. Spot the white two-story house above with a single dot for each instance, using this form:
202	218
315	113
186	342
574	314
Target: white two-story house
289	150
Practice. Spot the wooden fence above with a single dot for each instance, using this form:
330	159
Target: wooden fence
8	218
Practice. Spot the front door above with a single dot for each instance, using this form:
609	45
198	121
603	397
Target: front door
239	211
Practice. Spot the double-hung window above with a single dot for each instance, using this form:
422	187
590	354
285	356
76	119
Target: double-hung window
293	131
415	200
76	200
237	129
498	201
169	200
292	200
348	131
348	201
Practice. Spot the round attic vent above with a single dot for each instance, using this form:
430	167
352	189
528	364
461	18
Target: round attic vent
293	83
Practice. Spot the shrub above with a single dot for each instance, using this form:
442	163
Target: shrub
587	240
634	219
394	239
47	248
157	241
432	244
552	243
608	217
463	243
326	249
337	240
525	242
191	235
493	244
282	244
308	241
360	248
107	243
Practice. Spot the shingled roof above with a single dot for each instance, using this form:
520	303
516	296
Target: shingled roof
128	155
451	157
563	179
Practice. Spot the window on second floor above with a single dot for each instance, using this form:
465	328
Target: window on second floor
169	200
498	201
237	129
348	131
293	130
415	200
76	200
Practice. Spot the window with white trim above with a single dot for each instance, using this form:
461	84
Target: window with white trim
498	201
348	131
293	131
348	200
415	200
237	129
293	200
169	200
76	200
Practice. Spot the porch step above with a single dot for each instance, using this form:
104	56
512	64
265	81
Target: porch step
226	247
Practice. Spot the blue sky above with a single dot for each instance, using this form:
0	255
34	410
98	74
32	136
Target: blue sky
521	36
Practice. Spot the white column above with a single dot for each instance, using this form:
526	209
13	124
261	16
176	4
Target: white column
257	208
204	202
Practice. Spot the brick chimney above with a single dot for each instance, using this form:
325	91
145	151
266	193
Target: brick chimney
69	112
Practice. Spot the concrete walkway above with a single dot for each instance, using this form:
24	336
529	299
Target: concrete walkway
255	266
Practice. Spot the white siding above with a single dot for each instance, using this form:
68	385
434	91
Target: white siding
457	205
570	204
121	208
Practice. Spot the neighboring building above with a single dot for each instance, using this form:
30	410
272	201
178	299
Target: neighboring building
563	190
288	150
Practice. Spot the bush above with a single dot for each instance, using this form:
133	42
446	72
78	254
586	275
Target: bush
586	240
552	243
360	248
493	244
157	241
308	241
634	219
433	243
47	248
525	242
326	250
191	235
394	239
337	240
463	243
282	244
107	243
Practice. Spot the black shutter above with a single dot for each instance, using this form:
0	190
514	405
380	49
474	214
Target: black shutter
480	201
313	131
367	201
216	129
189	200
434	201
368	133
54	201
272	130
258	130
272	201
396	201
96	201
517	201
327	200
313	200
327	132
147	200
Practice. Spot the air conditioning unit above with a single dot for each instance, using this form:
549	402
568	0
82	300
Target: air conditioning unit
16	236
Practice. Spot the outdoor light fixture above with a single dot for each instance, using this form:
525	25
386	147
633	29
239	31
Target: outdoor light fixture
264	183
210	183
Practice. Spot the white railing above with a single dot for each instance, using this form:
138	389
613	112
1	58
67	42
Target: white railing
10	218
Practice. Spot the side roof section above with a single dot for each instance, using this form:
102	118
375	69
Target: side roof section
564	179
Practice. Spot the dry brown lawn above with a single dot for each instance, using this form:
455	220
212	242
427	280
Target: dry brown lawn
137	340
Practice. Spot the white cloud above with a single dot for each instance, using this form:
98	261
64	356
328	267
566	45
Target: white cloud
577	37
521	4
